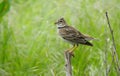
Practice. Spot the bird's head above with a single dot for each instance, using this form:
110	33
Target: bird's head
60	23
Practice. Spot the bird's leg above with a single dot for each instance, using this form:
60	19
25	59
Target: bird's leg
73	49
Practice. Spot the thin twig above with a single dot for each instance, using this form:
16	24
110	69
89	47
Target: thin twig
114	53
68	63
113	40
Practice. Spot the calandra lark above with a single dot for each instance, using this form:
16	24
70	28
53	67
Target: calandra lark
72	35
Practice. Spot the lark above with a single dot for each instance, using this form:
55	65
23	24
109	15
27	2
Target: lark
72	35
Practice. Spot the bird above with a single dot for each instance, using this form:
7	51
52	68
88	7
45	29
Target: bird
72	35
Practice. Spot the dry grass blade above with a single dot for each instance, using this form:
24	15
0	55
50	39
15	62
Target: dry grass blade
114	53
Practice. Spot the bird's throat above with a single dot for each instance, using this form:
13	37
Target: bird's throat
61	26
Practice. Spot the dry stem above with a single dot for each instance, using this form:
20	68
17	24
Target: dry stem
68	63
114	53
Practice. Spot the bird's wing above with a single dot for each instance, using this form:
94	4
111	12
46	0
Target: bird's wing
73	35
87	37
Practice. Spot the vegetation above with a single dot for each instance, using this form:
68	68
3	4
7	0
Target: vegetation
30	46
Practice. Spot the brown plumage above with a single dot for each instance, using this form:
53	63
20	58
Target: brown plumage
72	35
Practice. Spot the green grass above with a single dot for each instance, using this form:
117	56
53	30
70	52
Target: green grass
30	46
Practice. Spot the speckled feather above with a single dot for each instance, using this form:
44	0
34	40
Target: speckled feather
72	35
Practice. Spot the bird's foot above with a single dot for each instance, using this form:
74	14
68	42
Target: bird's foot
67	51
70	52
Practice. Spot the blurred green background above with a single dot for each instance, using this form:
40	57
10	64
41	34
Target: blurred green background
30	45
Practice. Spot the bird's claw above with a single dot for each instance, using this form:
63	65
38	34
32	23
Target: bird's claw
72	54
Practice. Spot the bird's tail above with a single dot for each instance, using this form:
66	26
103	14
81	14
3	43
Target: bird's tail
88	43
